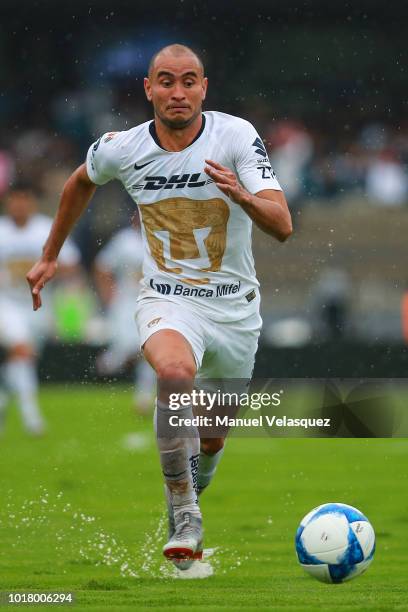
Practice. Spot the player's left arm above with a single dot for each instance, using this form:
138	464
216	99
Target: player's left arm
267	208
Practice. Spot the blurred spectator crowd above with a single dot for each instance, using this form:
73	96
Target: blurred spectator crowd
371	163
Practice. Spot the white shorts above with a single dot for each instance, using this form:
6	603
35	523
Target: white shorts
19	324
221	350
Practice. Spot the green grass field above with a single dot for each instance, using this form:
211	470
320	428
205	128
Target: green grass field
82	511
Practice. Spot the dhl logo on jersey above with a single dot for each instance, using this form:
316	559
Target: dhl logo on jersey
176	181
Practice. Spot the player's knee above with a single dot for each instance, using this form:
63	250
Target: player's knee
175	371
174	377
211	446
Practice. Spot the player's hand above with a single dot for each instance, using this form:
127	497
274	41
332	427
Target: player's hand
226	181
38	276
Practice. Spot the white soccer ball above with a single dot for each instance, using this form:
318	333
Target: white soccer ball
335	542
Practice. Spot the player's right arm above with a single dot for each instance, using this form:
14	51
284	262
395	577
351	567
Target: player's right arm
77	192
101	166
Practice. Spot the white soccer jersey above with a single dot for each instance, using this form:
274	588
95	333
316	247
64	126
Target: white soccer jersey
197	240
20	247
123	256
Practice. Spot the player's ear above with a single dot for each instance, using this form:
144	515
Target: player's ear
205	85
147	88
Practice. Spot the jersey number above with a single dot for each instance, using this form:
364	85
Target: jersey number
267	172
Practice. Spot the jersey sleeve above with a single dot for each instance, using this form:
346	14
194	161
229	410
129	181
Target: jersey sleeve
102	160
251	161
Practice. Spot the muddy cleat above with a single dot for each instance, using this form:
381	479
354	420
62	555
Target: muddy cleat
181	564
185	564
170	512
185	545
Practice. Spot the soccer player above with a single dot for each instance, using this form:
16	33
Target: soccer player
22	235
199	180
118	271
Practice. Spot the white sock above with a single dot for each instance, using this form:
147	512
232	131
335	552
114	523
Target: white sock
21	378
179	449
207	468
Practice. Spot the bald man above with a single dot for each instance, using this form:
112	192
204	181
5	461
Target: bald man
199	181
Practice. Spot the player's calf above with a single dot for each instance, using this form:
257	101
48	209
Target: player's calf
179	449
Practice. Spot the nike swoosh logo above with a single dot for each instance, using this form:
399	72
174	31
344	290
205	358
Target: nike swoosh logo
143	165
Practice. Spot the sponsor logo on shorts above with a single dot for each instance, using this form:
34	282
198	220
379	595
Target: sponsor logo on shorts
153	322
205	292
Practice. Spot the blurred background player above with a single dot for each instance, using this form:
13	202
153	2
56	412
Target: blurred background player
22	235
118	270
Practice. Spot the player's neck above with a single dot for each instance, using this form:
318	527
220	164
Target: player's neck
177	140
